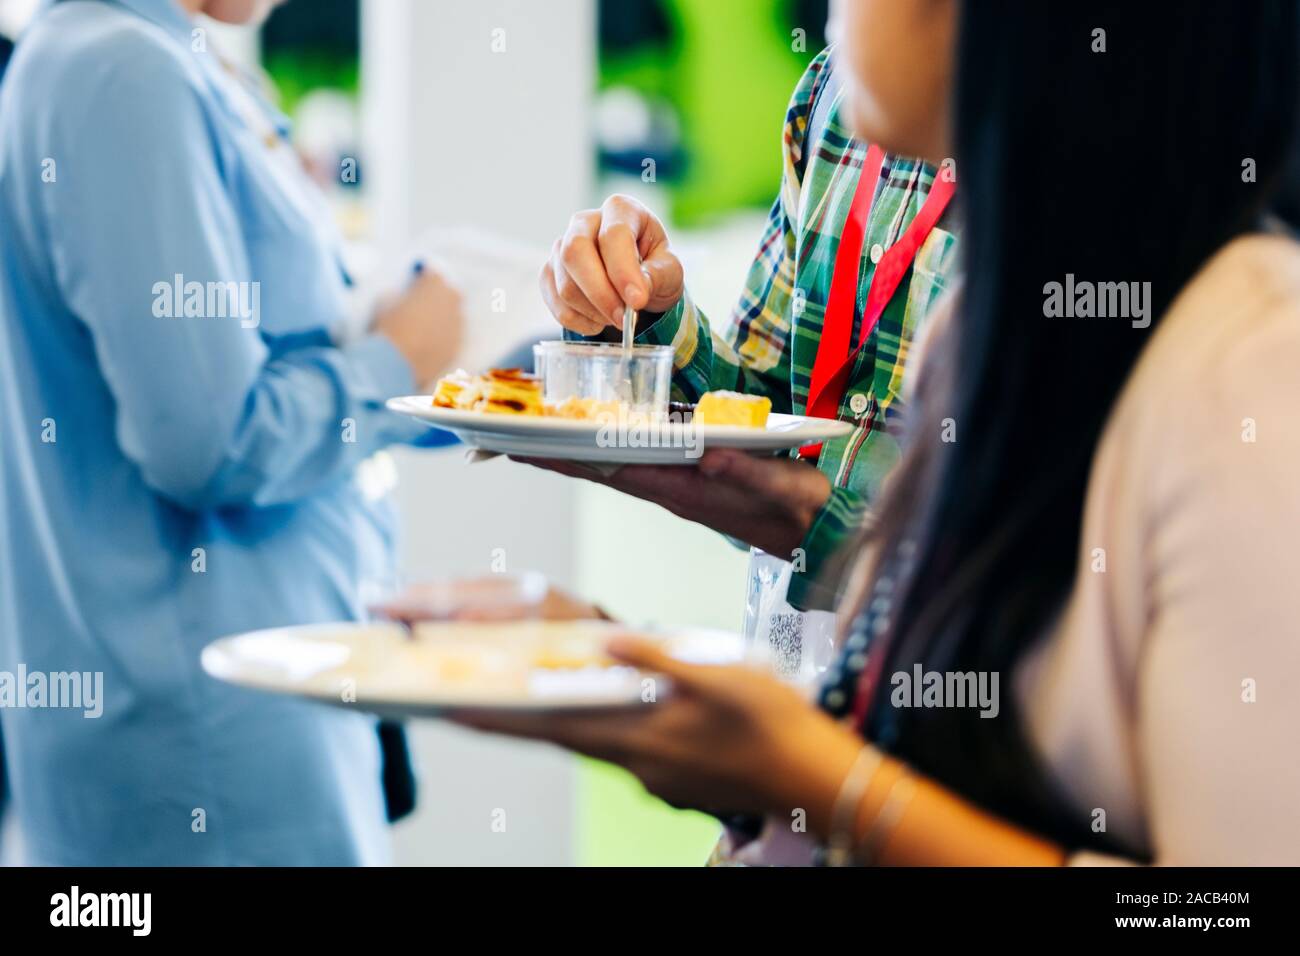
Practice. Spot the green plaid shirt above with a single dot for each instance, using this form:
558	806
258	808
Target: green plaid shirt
768	345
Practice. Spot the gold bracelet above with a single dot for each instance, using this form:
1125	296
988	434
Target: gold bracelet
900	795
839	846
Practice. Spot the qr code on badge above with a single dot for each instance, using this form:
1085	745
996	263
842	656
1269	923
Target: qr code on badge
785	637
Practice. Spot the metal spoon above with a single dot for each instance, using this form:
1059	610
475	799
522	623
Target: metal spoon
629	332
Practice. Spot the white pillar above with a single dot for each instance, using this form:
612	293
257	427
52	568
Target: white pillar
475	113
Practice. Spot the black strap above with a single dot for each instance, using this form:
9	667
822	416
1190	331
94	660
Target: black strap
400	785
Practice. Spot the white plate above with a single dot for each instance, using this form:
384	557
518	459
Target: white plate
536	436
445	667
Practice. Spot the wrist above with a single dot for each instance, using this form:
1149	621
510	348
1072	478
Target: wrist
801	512
396	340
421	372
663	306
810	775
811	505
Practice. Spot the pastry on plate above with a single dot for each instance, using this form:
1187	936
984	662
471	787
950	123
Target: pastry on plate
502	391
451	387
509	391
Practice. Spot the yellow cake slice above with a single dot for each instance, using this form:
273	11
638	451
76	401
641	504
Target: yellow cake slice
732	408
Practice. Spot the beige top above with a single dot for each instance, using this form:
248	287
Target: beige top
1168	695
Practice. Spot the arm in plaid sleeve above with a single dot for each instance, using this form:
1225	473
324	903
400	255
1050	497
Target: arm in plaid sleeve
834	526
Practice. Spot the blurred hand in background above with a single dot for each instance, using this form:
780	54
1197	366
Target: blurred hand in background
492	597
426	323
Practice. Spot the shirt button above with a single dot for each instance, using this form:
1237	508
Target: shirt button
858	402
877	253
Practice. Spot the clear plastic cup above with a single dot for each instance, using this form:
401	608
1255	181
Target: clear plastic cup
599	371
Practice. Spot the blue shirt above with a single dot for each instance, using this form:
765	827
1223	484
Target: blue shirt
178	447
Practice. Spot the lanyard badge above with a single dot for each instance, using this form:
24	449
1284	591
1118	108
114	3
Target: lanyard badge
834	358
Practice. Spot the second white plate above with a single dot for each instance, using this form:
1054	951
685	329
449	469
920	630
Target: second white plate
534	436
446	667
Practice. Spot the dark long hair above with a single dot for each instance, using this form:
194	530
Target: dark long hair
1115	164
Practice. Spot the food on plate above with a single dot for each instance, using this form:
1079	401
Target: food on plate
451	388
511	391
432	667
732	408
584	409
502	391
508	654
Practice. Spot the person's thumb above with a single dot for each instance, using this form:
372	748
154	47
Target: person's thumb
662	272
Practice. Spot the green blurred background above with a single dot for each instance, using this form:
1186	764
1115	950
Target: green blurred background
699	87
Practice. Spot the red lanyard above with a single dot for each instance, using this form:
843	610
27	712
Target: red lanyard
834	360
